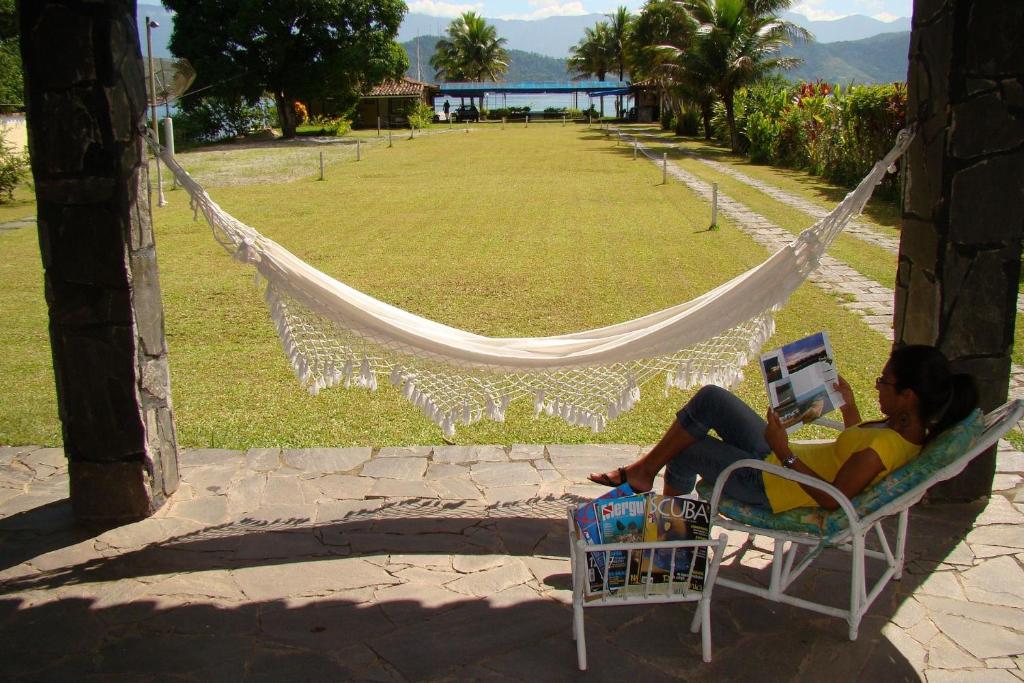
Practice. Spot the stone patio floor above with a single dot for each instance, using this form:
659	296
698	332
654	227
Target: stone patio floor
451	563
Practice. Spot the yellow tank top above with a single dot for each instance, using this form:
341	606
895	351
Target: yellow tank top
827	458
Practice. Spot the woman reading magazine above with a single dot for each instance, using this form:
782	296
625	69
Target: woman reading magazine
917	394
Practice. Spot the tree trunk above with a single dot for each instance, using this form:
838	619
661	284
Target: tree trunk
730	119
705	112
285	115
963	208
86	104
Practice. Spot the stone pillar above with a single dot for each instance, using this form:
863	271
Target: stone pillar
86	104
963	213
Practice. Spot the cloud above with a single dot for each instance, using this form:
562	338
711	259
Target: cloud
443	9
542	9
885	16
813	10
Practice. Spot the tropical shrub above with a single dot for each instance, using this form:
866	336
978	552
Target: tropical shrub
686	122
215	118
13	168
837	133
420	115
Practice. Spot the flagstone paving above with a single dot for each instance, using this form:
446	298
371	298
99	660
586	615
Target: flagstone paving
450	563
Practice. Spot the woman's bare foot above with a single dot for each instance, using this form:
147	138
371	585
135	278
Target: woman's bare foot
637	479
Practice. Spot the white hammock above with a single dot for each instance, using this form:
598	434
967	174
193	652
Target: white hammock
334	334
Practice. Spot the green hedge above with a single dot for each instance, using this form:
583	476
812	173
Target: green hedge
831	131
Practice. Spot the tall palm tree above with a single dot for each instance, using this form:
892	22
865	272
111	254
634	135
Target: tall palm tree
592	55
738	42
619	27
472	52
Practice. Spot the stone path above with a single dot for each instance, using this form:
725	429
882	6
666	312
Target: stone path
27	222
450	563
869	299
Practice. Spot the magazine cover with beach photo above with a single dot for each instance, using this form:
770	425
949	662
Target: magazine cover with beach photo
800	377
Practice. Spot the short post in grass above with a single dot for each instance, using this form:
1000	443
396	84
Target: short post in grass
412	131
378	126
359	155
590	121
321	165
527	121
503	123
389	137
714	206
635	145
563	120
664	168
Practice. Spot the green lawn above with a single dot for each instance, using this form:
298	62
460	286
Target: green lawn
531	231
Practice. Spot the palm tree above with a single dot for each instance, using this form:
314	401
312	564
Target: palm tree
619	28
660	37
592	55
472	52
738	42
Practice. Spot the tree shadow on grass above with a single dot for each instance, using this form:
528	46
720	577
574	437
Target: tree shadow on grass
114	615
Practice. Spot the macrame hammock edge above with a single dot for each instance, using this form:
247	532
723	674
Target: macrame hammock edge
336	335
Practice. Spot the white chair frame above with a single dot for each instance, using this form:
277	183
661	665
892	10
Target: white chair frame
641	595
785	568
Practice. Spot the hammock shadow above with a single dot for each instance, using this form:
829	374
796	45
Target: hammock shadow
111	609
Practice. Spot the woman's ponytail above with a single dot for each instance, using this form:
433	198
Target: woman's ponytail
963	398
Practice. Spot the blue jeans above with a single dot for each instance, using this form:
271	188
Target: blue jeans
740	435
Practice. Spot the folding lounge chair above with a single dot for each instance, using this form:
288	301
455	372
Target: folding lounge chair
801	535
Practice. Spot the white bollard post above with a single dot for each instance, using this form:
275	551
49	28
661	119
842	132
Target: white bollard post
503	123
563	120
358	151
527	121
714	205
590	121
389	137
169	146
321	165
664	168
412	132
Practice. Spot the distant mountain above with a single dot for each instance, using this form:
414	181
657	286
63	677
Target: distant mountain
853	27
879	59
523	66
551	37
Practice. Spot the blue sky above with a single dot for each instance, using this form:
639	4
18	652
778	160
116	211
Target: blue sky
819	10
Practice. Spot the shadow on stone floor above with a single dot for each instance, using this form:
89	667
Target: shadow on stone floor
508	638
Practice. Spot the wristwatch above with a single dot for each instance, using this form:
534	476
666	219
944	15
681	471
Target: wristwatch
790	461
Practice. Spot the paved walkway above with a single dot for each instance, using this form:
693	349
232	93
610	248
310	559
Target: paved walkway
449	563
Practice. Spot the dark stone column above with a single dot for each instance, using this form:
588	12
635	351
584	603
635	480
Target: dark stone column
86	103
963	214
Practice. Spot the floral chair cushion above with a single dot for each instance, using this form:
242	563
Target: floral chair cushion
943	451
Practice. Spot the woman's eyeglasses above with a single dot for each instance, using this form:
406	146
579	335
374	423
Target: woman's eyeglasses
882	380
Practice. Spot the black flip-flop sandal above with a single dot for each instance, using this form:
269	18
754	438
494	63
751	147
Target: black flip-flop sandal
605	480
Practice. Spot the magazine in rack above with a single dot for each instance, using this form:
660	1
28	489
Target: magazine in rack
800	377
621	516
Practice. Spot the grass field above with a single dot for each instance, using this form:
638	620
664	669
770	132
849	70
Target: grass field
508	232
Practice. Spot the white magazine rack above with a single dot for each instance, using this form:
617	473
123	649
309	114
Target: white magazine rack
647	593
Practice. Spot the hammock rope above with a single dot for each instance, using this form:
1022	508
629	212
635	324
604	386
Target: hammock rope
336	335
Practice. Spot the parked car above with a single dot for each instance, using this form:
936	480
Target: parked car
464	113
